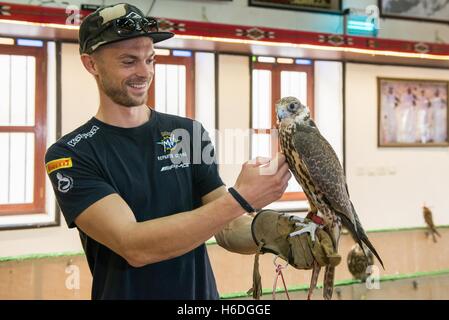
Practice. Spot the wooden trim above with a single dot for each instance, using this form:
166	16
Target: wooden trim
263	66
17	129
151	93
58	90
276	69
21	50
189	63
275	93
293	196
14	209
261	131
39	129
190	88
343	91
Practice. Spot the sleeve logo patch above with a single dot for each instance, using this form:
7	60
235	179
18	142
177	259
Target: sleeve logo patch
65	183
58	164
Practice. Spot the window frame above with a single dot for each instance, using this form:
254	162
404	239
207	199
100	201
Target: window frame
276	69
39	129
188	62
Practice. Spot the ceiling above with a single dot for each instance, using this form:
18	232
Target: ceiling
31	30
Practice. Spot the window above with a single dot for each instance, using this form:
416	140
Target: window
22	127
272	79
172	90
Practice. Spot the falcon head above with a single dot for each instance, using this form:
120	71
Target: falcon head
290	109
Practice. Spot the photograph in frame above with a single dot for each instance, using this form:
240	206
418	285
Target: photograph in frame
329	6
425	10
412	113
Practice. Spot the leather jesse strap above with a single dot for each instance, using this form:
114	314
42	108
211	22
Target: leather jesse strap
245	205
315	218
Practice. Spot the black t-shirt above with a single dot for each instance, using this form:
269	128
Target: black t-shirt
138	163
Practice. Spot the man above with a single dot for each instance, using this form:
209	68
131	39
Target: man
423	119
389	115
143	220
439	110
407	117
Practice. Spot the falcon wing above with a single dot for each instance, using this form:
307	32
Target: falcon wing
324	168
327	175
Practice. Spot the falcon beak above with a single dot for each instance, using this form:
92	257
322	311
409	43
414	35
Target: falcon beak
282	114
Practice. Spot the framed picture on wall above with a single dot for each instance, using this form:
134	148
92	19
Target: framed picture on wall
326	6
425	10
412	113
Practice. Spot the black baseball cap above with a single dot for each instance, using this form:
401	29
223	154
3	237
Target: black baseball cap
115	23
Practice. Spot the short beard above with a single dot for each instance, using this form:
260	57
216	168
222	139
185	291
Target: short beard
119	95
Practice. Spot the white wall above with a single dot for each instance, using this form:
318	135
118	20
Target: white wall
328	78
205	90
389	185
233	115
78	89
238	12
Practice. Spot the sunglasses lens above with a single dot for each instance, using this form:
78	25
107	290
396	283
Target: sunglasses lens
149	25
125	26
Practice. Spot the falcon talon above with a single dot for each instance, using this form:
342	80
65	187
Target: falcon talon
317	169
308	228
296	218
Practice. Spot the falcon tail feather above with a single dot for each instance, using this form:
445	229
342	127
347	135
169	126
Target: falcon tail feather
436	231
360	236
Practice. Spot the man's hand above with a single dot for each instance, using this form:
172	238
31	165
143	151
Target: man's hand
264	181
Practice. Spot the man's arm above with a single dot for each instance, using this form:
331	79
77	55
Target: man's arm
111	222
236	235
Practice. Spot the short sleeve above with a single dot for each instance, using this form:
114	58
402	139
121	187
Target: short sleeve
76	182
205	173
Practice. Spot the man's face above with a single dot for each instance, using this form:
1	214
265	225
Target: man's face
125	70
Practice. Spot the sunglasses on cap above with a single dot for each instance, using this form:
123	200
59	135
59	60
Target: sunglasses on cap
126	26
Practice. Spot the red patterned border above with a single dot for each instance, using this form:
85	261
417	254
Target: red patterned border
37	14
32	13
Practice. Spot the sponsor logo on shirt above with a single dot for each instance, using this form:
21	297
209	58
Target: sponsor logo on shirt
168	141
65	182
81	136
173	150
175	166
172	156
58	164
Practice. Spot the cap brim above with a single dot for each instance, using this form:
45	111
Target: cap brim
156	36
160	36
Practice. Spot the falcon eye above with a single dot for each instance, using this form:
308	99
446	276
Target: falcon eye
291	107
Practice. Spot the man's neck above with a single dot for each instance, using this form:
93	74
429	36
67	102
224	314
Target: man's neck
125	117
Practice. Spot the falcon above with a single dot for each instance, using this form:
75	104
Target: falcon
429	221
358	262
317	169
